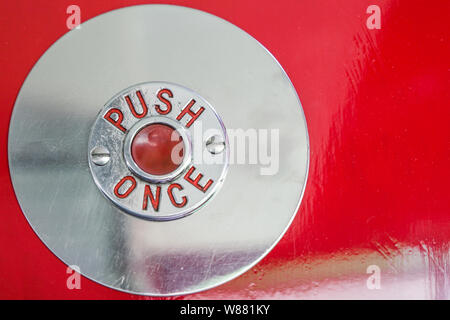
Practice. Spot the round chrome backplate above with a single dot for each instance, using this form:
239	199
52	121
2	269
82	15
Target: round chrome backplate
66	158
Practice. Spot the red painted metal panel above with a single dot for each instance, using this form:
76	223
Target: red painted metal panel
377	106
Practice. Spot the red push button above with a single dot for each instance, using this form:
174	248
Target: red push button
152	149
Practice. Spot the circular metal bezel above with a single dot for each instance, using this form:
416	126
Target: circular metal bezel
187	142
121	163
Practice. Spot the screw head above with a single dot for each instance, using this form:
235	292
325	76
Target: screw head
215	144
100	155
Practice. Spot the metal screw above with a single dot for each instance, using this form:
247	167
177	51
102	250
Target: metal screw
100	156
215	144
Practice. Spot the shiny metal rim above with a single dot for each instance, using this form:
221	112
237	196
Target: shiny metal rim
157	178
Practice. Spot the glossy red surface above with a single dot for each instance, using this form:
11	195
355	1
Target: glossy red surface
152	149
377	107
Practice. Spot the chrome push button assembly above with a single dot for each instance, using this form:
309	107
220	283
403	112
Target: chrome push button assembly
160	166
160	149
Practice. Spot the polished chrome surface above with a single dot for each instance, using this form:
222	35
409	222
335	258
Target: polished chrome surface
122	164
48	150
